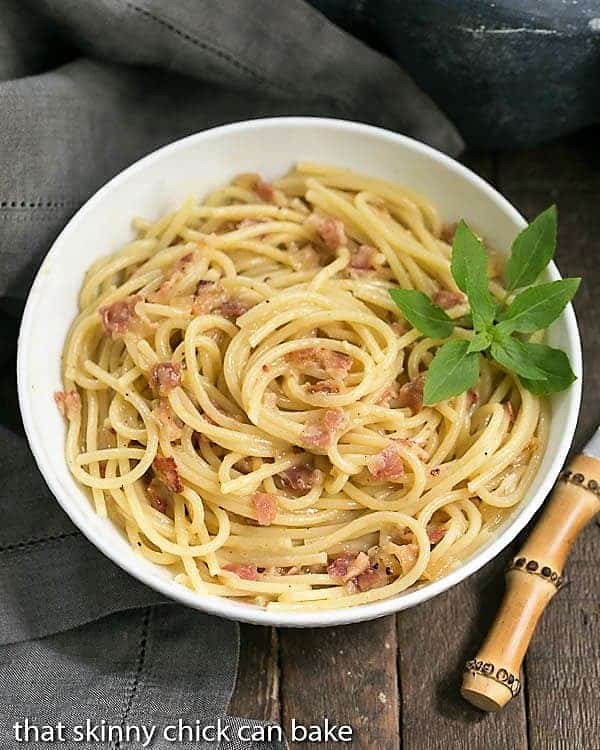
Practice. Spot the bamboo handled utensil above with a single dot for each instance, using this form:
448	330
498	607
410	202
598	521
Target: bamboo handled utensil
492	678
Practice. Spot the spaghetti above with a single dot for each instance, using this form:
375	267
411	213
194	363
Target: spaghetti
244	399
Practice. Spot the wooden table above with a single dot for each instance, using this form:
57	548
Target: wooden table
396	680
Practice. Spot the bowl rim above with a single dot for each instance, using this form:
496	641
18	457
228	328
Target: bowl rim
244	612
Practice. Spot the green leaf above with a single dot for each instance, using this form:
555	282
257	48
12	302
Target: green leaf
536	307
512	354
480	342
532	250
420	312
555	365
451	372
469	257
470	270
465	321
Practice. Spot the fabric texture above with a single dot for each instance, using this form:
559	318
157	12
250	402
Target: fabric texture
509	73
86	88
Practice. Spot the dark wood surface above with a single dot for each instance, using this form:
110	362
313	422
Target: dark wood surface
396	680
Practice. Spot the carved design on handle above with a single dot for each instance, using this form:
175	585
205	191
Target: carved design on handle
534	568
500	675
574	502
580	480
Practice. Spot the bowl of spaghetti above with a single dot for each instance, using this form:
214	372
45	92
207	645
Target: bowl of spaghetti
241	422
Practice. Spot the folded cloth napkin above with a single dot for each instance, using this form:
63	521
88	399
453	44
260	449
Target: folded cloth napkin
85	89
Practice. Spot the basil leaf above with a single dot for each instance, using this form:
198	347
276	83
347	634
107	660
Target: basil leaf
470	270
556	367
451	372
420	312
536	307
513	355
532	250
465	321
469	257
480	342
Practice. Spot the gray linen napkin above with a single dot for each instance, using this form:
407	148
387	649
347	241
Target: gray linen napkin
85	89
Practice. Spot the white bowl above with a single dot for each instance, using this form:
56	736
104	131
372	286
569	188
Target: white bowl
197	164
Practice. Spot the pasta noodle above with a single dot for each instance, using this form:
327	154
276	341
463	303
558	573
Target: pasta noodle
244	399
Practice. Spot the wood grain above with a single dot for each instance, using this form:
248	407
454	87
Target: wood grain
348	674
563	663
257	689
435	641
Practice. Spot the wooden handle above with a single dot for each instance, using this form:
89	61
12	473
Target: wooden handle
492	678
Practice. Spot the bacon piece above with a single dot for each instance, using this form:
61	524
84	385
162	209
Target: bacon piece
69	403
363	259
472	397
387	465
118	318
411	394
165	376
389	396
169	421
356	572
357	566
323	428
264	190
408	554
372	578
232	308
265	504
248	572
300	479
323	386
436	534
348	567
167	472
448	232
330	230
338	568
159	495
209	296
322	361
447	299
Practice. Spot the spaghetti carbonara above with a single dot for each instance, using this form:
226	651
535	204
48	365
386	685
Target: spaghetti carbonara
244	399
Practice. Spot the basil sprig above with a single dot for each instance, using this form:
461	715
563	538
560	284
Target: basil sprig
498	326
